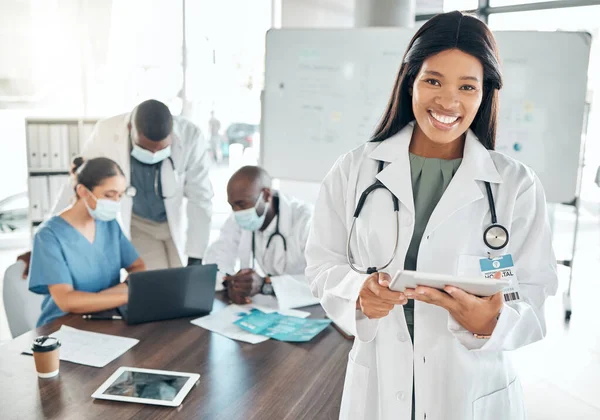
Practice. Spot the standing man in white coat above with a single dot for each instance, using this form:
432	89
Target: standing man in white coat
428	193
168	211
266	233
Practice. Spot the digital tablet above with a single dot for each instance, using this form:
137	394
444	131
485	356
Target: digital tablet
478	286
147	386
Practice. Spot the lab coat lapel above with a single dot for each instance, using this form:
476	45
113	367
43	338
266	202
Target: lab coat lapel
176	148
275	257
466	186
396	175
285	215
168	176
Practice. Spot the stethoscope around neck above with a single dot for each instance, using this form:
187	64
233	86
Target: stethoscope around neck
495	236
273	235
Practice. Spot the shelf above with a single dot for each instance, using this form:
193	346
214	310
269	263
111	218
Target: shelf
47	172
59	120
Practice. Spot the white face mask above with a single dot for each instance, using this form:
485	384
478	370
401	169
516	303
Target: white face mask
249	219
149	158
105	211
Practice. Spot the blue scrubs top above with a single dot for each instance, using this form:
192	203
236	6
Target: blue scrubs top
62	255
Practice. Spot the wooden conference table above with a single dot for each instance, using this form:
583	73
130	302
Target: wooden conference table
270	380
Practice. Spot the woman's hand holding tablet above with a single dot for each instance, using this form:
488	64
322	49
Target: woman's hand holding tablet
478	286
461	299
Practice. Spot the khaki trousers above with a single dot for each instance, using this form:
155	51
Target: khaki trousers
154	243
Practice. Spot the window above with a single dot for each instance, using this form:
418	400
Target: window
498	3
570	19
450	5
426	7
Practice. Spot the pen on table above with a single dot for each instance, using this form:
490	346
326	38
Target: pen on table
102	317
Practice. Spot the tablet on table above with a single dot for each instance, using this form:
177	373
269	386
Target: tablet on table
147	386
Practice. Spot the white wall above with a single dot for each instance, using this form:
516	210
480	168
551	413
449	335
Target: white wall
13	159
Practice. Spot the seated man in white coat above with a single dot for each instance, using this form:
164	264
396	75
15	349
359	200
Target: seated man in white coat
267	233
166	162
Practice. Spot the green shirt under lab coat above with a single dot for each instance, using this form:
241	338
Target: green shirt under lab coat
430	178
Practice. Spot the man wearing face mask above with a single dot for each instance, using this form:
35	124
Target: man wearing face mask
165	159
266	234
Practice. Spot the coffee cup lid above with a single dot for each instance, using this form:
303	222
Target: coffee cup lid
45	343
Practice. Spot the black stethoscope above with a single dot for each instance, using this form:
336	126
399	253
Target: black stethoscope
495	236
273	235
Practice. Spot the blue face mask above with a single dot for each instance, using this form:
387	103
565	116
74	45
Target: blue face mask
149	158
249	219
105	211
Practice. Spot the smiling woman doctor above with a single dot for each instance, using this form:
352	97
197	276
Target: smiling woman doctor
440	187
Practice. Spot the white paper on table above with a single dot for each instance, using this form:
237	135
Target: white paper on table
90	348
222	322
269	304
293	292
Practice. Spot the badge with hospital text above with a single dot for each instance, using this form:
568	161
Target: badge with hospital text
502	268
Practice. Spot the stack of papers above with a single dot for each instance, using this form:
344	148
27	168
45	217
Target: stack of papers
269	304
90	348
281	327
293	292
222	322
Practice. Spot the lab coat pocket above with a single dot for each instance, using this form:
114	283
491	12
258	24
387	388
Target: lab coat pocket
173	183
506	403
354	399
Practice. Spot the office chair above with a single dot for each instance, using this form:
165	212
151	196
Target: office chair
23	308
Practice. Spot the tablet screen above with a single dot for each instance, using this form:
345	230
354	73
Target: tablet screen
147	385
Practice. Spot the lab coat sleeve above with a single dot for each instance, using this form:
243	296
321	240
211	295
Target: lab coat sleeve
303	223
199	193
224	251
332	281
523	322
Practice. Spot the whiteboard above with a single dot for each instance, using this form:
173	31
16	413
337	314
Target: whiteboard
326	89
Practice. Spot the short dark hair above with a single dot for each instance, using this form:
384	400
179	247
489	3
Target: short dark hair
91	173
154	120
447	31
253	174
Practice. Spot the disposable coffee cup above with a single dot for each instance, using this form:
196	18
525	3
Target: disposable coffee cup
46	355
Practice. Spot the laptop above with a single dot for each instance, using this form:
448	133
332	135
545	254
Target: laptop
171	293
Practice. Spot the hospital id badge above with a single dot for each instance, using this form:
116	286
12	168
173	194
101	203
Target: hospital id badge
503	265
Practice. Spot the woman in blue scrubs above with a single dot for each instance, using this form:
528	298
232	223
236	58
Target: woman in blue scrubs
77	256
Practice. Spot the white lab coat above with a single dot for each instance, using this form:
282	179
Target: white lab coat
457	376
235	243
191	184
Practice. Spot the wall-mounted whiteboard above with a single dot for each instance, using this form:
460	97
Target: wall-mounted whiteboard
326	89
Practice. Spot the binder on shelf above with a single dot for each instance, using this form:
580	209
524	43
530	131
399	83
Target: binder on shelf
56	184
44	145
59	147
33	147
73	142
46	205
38	197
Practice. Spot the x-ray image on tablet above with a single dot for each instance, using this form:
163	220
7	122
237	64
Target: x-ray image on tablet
147	386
